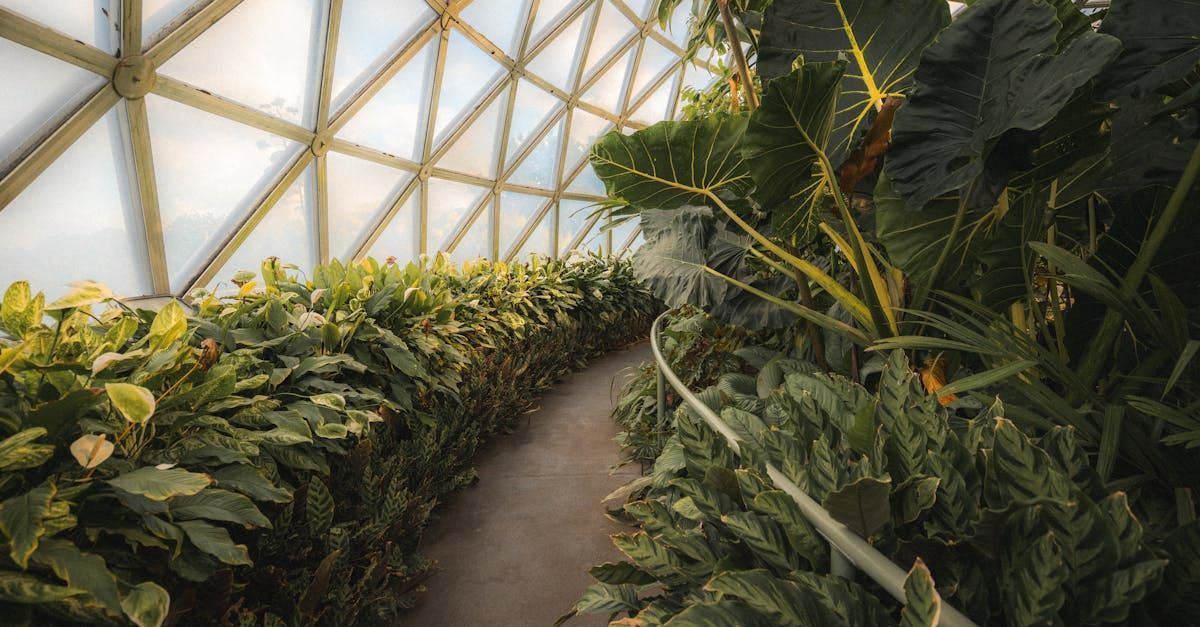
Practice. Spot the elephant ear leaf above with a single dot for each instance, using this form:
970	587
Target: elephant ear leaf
883	39
672	164
993	79
784	140
922	604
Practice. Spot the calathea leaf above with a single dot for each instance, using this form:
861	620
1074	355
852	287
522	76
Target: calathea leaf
783	601
863	506
922	604
993	74
882	38
672	164
782	143
1033	582
617	573
724	613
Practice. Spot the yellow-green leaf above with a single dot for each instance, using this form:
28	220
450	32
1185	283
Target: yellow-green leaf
84	293
146	604
169	325
135	402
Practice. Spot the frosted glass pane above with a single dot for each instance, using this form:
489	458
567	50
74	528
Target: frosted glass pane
209	171
696	77
588	183
550	12
477	241
359	192
612	30
399	238
475	151
158	13
538	169
88	21
531	110
516	212
78	220
539	241
573	216
655	60
394	120
39	91
450	202
607	91
371	32
265	54
585	130
556	62
469	72
640	7
655	107
499	20
677	30
288	231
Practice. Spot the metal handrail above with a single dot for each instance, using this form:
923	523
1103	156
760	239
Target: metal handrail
847	550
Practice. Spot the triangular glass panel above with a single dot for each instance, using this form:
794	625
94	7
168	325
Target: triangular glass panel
475	151
265	54
468	73
401	237
538	169
500	21
79	220
608	90
477	241
573	217
539	241
654	109
39	92
679	26
655	60
371	33
549	13
516	212
612	30
158	13
585	130
640	7
209	172
93	23
532	108
394	120
588	183
359	192
697	77
288	231
556	62
622	232
450	202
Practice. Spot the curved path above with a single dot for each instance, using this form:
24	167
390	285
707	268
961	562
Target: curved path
514	548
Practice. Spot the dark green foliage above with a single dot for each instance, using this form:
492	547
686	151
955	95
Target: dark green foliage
306	430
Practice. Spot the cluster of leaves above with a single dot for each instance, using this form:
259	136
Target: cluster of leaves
1013	529
306	429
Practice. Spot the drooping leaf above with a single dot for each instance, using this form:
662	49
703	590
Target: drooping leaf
922	603
992	77
249	481
617	573
27	589
783	601
22	521
883	40
863	505
782	142
83	293
82	571
160	485
216	542
146	604
217	504
672	164
135	402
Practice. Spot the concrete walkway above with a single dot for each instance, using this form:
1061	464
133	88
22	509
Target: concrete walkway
514	549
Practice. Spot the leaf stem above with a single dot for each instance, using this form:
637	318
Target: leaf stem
740	57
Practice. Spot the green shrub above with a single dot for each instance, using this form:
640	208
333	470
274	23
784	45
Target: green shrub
306	429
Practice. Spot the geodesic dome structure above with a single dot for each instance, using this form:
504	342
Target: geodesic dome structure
161	145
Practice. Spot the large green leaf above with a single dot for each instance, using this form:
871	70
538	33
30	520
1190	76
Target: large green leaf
160	485
993	77
217	504
83	571
22	520
1158	43
882	38
783	140
672	164
216	542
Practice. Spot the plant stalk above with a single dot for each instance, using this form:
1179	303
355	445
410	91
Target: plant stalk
739	57
1098	351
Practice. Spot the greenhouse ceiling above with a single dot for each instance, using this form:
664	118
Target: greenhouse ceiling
159	146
